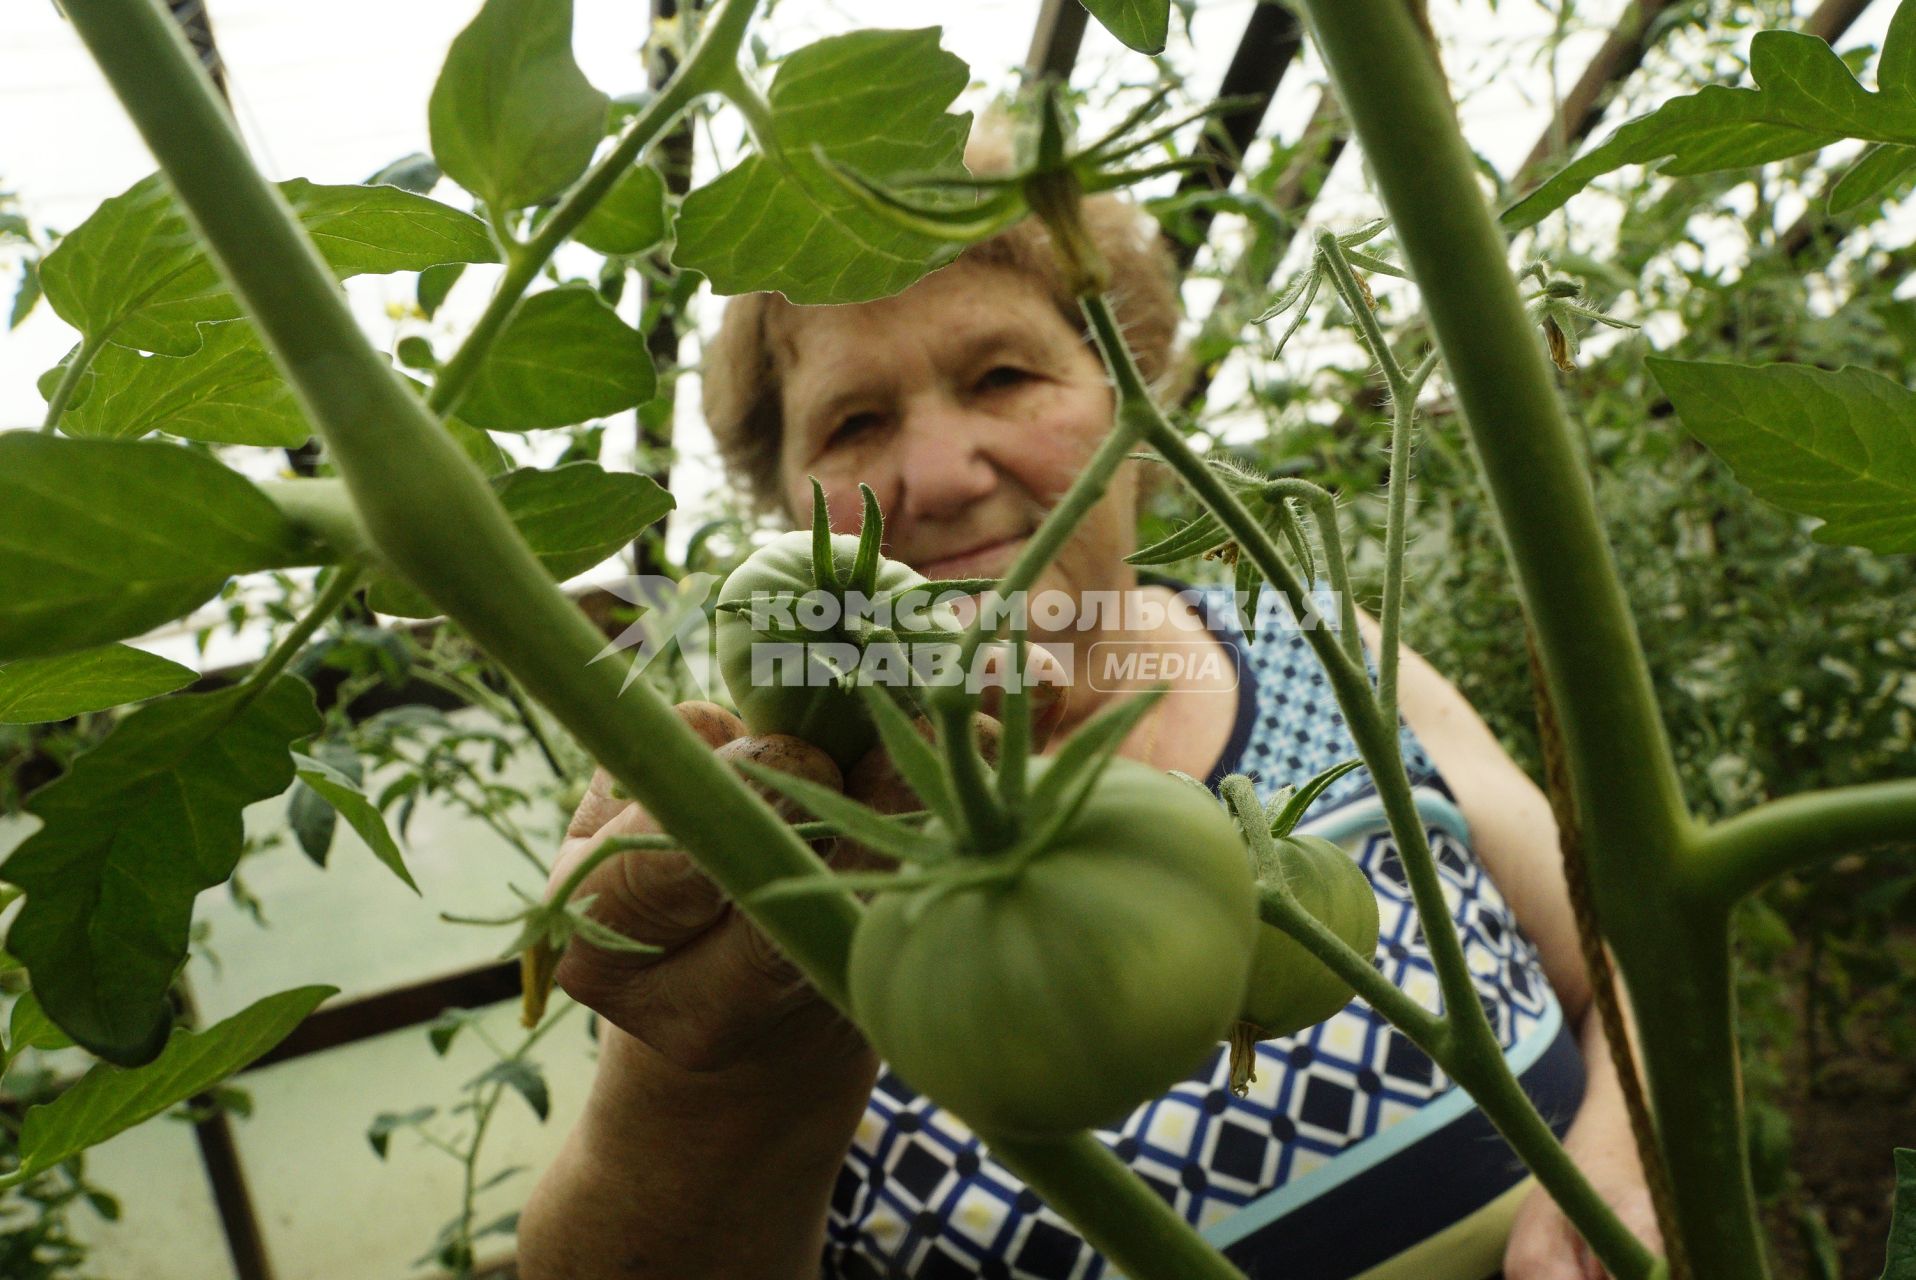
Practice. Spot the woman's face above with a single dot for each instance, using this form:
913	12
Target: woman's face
968	404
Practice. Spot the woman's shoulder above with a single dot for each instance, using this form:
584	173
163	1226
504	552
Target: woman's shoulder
1290	727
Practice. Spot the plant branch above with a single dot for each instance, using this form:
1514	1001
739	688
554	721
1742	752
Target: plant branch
346	579
1462	1041
1672	946
1403	390
426	506
1130	1224
70	379
707	69
1737	856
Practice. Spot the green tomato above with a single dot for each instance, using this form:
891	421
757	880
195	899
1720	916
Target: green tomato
1094	980
815	709
1291	989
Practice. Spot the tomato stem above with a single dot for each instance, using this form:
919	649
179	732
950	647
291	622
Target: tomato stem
710	66
345	581
426	506
1403	398
1463	1041
1671	943
1737	856
70	377
1130	1224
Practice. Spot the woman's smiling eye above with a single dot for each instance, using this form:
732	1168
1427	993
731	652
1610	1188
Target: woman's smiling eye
853	426
1004	376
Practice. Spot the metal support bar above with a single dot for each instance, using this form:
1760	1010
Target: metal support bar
1620	54
1267	50
1054	44
420	1002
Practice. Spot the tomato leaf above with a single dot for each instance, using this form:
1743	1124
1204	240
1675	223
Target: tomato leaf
859	822
572	516
632	218
513	119
109	1100
1138	24
435	283
873	101
1840	446
564	357
105	539
386	1123
131	834
1899	1262
1187	540
28	1027
342	792
1879	169
1805	98
134	271
40	690
1075	768
312	819
415	172
227	392
523	1078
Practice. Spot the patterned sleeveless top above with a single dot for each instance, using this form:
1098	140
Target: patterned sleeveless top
1353	1155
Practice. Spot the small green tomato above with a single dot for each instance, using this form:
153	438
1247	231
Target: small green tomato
816	708
1289	988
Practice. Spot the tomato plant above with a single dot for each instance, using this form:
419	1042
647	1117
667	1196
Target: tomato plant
205	286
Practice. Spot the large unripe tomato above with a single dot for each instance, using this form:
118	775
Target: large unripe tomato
813	708
1291	989
1096	979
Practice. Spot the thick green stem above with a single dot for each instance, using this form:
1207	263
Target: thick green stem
428	509
1738	856
1671	945
709	68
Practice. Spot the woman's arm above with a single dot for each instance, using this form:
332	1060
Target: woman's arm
687	1175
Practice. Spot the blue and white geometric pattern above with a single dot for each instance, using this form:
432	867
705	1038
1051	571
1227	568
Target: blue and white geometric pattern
918	1196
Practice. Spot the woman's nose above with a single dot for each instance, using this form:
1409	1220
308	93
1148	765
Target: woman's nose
943	462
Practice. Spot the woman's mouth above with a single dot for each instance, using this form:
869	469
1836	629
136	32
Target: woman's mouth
986	560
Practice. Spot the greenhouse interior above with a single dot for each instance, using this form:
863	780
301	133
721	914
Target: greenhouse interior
1044	638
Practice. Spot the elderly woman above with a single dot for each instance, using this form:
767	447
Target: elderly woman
739	1127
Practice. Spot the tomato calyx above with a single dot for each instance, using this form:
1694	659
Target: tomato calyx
937	842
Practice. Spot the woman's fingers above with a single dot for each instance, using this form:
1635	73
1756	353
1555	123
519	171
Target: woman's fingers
604	800
1044	674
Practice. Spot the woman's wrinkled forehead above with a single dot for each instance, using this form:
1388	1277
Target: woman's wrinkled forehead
974	301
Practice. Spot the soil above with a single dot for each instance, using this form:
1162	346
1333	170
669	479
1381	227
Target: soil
1845	1122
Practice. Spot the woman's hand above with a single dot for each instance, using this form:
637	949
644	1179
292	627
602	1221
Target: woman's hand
720	994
